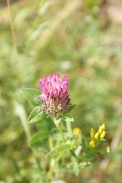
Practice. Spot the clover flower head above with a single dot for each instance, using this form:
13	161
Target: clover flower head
55	98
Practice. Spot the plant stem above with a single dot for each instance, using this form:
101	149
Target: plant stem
61	132
69	129
21	113
52	168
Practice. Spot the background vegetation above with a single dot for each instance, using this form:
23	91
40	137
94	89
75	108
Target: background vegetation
82	39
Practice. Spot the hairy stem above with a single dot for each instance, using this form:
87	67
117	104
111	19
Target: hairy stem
69	129
61	132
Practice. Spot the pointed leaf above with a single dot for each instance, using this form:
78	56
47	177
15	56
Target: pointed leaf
58	150
69	118
36	115
70	108
31	95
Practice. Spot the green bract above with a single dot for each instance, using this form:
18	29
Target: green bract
36	115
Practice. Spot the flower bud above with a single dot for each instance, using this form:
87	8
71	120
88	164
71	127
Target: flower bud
103	126
96	136
92	143
103	135
100	130
92	132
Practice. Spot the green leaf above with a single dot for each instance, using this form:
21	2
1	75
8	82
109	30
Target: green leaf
70	108
69	118
37	138
32	95
102	146
58	150
36	115
57	121
89	155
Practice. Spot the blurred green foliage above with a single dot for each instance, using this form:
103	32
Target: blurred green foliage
79	40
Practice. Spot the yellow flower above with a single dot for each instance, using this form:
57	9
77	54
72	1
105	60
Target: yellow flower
76	131
96	136
92	132
77	137
102	134
103	126
92	143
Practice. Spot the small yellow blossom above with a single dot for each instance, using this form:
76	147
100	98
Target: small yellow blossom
102	134
96	136
76	131
100	130
92	132
92	143
103	126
